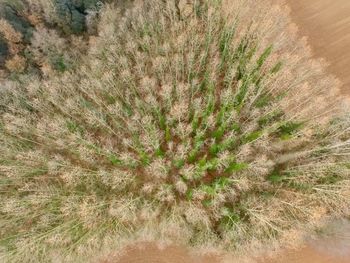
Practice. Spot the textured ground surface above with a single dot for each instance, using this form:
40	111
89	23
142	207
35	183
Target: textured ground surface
149	253
332	249
326	23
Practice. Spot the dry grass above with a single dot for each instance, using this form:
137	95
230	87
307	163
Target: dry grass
182	124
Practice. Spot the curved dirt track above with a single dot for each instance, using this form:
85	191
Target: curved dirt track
150	253
326	24
309	255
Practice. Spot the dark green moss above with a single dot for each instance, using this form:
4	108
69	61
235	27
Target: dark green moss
4	51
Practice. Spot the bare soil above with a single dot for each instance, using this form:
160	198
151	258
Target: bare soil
328	250
308	255
326	24
151	253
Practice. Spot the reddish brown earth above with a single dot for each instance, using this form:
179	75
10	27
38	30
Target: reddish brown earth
309	255
326	24
151	253
332	247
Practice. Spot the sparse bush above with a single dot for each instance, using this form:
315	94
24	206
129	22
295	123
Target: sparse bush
50	51
184	123
16	64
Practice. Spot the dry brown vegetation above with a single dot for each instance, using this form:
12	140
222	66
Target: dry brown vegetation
185	122
44	37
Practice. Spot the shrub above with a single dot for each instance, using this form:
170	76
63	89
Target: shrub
50	51
183	123
16	64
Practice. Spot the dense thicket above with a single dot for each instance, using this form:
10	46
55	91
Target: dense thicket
201	123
